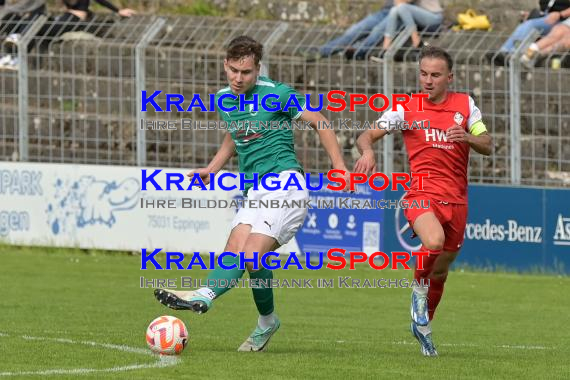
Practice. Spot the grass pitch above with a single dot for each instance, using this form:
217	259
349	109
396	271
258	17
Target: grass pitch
72	314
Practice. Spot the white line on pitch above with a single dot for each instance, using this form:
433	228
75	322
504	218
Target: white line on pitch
164	361
88	343
506	346
403	342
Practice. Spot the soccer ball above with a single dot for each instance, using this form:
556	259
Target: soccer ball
167	335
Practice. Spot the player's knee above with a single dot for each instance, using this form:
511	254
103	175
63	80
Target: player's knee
252	261
251	267
233	245
434	243
232	248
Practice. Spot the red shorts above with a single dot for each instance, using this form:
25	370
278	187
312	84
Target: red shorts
452	216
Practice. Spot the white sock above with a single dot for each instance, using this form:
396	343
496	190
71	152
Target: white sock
421	290
206	292
266	321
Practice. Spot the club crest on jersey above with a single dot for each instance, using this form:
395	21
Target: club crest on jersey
458	118
253	113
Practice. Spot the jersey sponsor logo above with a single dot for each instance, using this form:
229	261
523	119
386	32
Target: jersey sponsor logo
246	137
437	137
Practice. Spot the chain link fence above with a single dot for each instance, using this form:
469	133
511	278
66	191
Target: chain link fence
76	97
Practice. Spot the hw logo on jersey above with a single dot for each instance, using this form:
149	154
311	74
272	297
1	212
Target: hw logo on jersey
435	135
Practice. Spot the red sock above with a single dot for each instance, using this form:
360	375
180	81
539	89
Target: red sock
428	262
435	292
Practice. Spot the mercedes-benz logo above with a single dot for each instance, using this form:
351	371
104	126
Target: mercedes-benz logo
403	229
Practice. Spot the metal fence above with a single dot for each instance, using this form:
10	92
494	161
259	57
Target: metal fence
75	98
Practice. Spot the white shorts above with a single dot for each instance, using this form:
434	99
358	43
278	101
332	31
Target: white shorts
280	223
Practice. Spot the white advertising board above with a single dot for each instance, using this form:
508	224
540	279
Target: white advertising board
90	206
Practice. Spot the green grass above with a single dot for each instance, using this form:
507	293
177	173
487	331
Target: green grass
489	325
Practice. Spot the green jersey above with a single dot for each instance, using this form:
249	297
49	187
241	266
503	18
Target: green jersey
264	139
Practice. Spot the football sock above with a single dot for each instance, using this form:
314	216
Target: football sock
262	294
420	290
434	295
266	321
207	292
214	277
428	262
435	290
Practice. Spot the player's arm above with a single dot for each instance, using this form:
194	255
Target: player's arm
328	141
365	142
327	137
225	153
477	137
482	144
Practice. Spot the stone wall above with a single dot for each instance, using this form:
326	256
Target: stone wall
504	14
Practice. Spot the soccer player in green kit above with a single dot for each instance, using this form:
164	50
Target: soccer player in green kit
262	151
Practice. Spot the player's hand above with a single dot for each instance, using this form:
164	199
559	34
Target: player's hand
366	164
204	174
457	134
126	12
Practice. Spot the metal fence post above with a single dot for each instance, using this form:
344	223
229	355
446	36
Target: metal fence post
388	79
515	106
140	49
23	134
269	43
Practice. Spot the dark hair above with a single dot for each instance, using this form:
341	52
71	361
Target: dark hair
436	52
244	46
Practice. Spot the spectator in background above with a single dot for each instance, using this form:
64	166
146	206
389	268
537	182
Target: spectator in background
17	16
557	40
77	11
368	32
80	9
542	20
423	13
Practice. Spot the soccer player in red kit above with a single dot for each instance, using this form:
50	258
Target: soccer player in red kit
455	126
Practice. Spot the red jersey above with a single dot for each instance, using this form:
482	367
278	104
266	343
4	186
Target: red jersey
430	152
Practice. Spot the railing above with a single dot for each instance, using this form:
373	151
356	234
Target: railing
81	102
